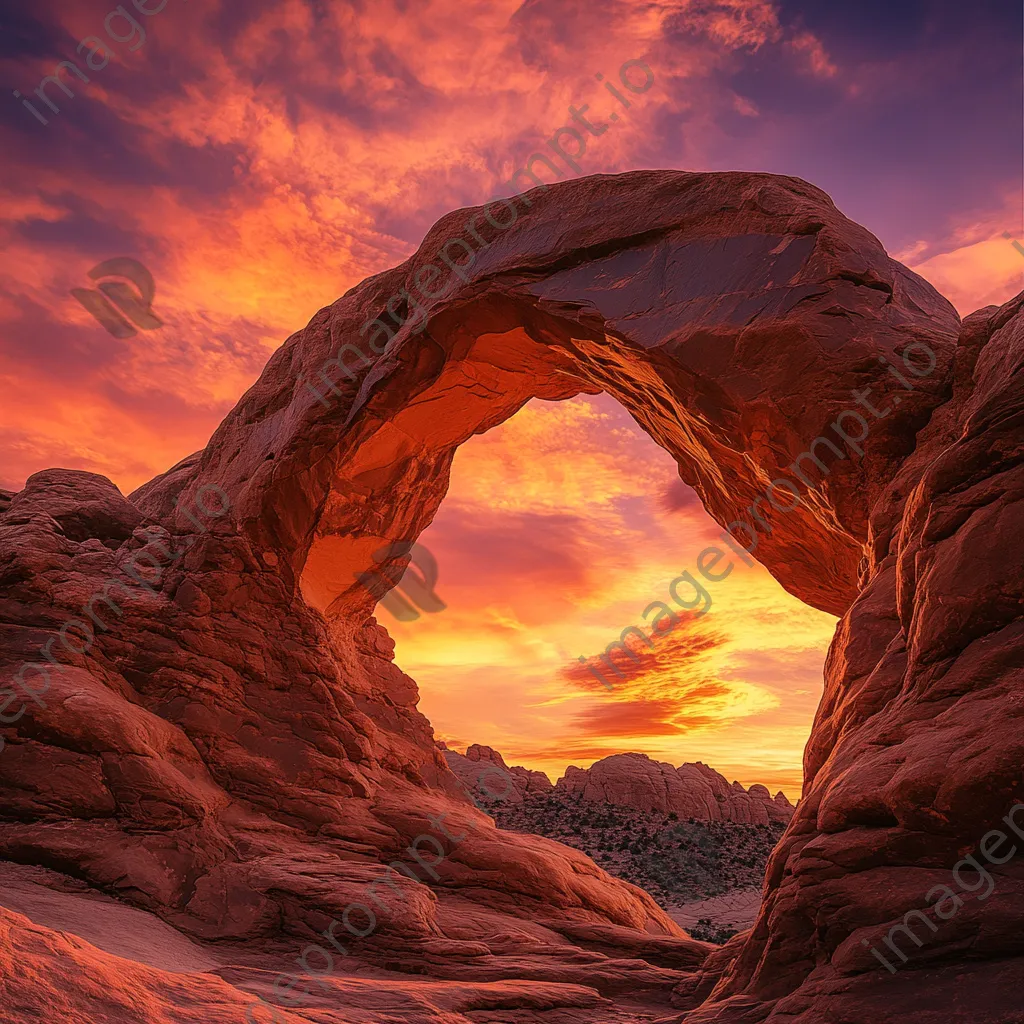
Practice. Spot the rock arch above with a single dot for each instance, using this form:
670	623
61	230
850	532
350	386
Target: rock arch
730	314
733	315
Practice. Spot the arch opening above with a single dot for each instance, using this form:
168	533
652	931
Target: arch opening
559	538
560	534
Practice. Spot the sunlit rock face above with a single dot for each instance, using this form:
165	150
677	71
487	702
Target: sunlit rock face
484	774
690	791
914	761
234	752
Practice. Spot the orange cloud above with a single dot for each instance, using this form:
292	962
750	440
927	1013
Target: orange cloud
983	273
664	652
640	717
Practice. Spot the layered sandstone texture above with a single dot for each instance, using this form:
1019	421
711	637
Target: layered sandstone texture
234	755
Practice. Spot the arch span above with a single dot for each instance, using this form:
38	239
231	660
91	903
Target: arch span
733	315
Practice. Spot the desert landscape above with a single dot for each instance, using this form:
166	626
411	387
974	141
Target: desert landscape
240	757
699	845
597	603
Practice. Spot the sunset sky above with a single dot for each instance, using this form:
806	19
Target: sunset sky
561	526
261	158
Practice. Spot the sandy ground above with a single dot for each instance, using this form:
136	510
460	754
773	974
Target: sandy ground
733	910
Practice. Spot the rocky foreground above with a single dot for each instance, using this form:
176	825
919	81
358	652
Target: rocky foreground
205	735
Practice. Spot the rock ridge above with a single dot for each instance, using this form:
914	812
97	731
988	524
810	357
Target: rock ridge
632	780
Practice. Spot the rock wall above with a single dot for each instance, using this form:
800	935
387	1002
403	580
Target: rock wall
915	758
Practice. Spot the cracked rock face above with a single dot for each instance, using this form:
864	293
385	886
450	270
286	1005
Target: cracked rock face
225	744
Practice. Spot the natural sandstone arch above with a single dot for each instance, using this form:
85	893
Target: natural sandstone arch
732	315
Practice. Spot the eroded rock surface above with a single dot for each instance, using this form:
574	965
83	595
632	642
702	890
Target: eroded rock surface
225	743
511	784
691	790
916	753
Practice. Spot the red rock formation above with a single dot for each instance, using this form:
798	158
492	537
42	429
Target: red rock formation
691	790
235	752
630	780
475	770
532	783
917	746
509	784
527	782
476	752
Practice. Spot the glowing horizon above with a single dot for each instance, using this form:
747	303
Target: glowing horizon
555	534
